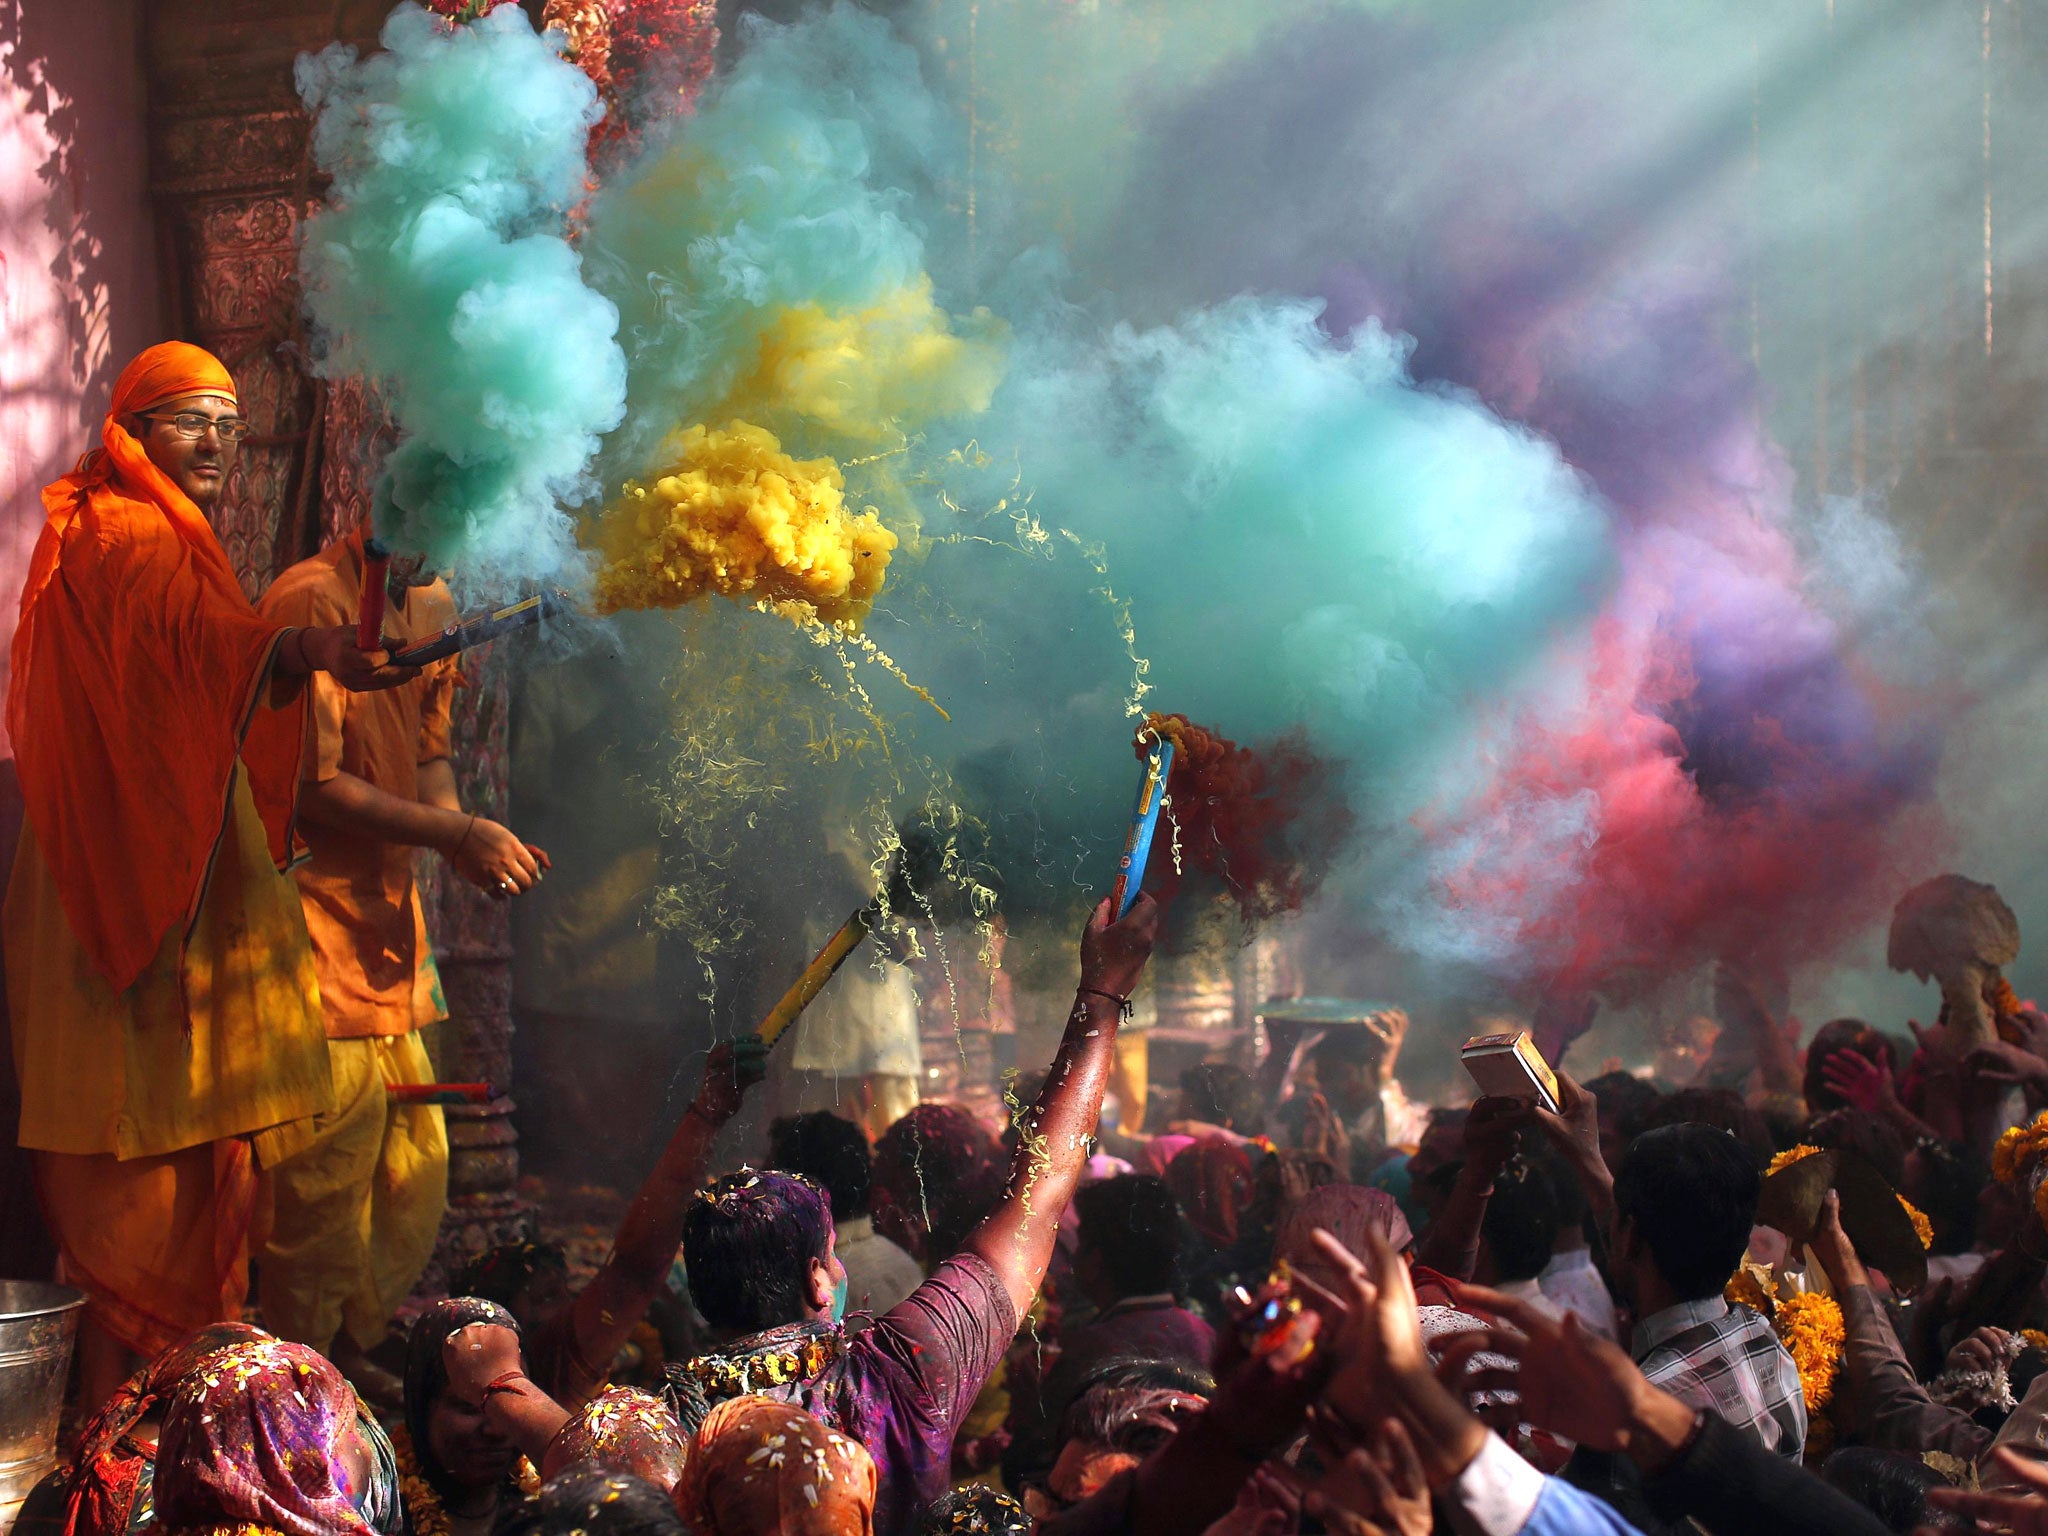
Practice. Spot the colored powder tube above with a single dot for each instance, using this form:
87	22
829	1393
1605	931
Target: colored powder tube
816	974
1130	869
370	615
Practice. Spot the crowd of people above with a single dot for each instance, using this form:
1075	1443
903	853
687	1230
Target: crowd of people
1630	1313
1771	1290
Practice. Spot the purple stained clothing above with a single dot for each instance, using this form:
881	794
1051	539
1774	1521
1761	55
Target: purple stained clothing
904	1385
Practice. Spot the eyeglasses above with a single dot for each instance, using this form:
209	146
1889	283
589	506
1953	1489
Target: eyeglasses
196	424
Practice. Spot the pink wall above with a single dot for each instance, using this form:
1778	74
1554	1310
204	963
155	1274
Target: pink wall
78	287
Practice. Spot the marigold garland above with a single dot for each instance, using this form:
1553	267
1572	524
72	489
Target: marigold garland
2018	1148
1745	1290
2036	1339
1789	1156
1922	1227
422	1504
1810	1327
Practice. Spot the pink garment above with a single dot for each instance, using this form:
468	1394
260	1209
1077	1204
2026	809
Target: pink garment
1346	1212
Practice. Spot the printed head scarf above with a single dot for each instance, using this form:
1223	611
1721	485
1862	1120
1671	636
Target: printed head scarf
111	1485
260	1434
758	1467
622	1430
426	1371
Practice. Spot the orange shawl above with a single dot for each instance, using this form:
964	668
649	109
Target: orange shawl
136	669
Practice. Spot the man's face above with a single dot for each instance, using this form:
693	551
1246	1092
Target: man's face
198	466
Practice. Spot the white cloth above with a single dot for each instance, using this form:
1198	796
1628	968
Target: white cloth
1531	1292
864	1024
1573	1281
1496	1493
879	1275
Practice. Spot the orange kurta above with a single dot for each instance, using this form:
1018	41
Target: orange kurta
362	909
164	1015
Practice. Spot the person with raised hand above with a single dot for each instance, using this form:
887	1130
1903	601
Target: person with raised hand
1693	1462
1382	1377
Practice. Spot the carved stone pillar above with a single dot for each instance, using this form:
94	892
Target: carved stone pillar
473	945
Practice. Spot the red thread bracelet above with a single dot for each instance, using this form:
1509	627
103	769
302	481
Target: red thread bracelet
502	1382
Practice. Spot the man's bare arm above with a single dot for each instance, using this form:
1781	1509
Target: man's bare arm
1017	1237
486	854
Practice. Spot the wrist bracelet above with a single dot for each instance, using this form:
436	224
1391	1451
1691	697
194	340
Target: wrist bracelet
1124	1010
463	841
504	1381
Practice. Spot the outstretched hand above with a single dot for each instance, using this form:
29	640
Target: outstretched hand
332	649
2023	1514
1831	1246
730	1070
1865	1085
1572	1381
1382	1368
1113	953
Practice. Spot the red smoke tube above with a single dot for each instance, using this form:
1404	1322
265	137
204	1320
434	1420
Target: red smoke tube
438	1093
370	616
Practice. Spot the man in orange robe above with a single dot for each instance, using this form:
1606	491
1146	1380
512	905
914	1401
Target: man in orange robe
357	1211
166	1023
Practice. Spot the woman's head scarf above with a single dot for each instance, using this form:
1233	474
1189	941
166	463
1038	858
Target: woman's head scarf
257	1435
1212	1180
111	1482
759	1467
622	1430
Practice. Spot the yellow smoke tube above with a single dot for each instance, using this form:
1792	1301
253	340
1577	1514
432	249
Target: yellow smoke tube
817	973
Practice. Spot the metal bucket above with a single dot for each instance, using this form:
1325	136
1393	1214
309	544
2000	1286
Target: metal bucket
38	1322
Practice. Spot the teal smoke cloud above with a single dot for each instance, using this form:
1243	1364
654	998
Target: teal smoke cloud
439	270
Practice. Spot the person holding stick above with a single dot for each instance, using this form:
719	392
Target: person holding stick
166	1021
357	1210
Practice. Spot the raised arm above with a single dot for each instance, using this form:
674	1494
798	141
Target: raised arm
1016	1238
1575	1130
1451	1245
611	1306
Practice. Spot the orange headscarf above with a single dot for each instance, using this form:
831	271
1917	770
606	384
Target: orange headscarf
135	673
759	1467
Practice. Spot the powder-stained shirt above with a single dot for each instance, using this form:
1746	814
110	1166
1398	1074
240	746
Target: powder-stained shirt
370	946
1728	1361
904	1386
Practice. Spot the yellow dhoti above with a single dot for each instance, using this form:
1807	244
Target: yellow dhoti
152	1110
358	1210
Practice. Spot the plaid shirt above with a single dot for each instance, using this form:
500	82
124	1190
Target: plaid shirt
1727	1360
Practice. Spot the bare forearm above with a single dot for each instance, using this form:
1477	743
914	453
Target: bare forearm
350	804
1017	1237
1598	1185
1191	1481
611	1306
437	784
1451	1246
526	1416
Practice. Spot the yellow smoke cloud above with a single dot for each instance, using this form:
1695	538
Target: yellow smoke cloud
865	375
729	512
